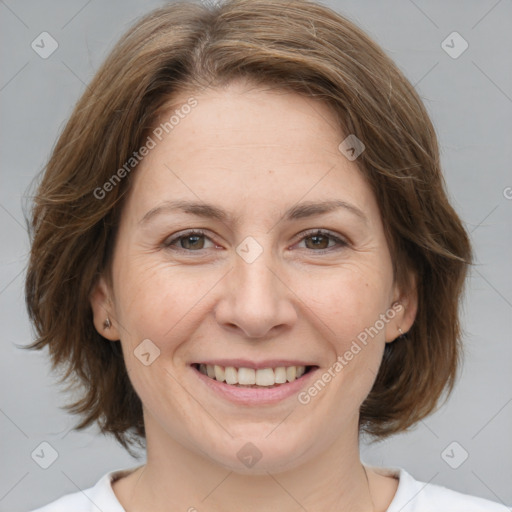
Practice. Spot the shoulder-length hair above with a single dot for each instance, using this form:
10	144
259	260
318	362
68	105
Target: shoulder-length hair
297	46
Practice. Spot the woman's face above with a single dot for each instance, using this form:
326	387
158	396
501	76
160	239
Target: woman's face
257	288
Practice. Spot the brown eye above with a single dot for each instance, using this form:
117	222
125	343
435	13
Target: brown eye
319	241
191	241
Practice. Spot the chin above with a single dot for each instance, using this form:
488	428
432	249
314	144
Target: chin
260	454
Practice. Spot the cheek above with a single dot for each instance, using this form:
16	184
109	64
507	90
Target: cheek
348	299
349	303
161	302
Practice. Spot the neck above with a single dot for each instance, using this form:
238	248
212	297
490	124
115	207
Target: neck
178	478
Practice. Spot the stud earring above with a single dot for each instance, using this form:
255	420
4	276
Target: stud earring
107	324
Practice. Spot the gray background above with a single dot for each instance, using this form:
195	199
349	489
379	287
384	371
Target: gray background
470	101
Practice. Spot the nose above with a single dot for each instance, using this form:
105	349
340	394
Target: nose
256	298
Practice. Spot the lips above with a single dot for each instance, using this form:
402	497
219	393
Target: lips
260	375
249	383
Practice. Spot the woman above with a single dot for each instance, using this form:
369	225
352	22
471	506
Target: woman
246	217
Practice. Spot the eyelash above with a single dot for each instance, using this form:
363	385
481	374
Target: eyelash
168	243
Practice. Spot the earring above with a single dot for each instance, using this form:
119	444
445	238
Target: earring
107	324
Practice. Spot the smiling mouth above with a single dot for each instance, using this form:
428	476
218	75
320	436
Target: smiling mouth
251	378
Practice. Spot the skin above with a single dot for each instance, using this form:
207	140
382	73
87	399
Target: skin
254	152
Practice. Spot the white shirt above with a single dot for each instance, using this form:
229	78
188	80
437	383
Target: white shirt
411	496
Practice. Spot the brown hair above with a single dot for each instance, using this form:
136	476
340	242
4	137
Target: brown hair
297	46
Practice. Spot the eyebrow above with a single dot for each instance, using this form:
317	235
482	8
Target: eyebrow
300	211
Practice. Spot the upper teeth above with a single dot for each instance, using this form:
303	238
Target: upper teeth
250	376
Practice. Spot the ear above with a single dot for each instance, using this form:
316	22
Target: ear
405	307
102	308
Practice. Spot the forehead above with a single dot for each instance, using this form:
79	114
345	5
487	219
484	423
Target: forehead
248	146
